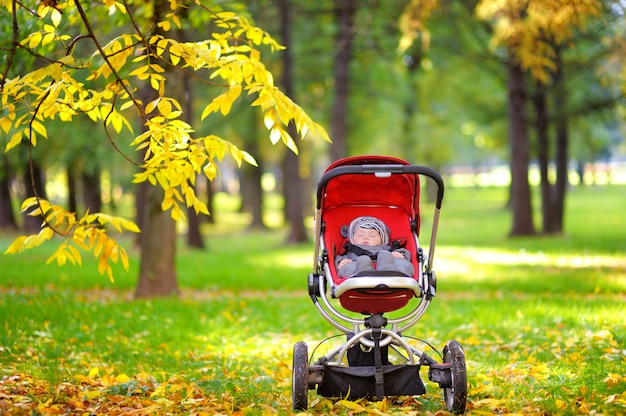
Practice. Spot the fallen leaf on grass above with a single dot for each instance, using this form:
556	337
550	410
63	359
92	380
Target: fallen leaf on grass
355	407
614	379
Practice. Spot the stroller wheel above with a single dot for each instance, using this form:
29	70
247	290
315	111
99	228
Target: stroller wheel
300	376
456	395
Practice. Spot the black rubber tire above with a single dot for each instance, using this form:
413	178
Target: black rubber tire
300	376
456	395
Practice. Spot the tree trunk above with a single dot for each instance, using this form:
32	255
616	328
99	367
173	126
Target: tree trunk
543	153
72	191
157	274
141	196
194	234
345	11
251	189
292	182
184	92
518	136
92	192
210	202
35	185
562	139
7	217
294	209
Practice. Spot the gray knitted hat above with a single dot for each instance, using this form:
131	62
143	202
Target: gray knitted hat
371	223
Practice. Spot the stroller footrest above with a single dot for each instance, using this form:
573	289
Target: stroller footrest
360	382
377	283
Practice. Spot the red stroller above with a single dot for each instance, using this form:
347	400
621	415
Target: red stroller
386	188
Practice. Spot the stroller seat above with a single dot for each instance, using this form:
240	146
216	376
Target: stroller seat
374	291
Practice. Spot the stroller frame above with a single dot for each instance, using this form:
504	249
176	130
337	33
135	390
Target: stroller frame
369	372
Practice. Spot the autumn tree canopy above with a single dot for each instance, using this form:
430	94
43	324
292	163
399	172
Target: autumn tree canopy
531	39
76	71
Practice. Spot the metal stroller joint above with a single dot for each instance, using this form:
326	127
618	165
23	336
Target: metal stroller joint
375	321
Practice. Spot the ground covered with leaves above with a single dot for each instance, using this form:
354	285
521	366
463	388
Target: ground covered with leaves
98	352
541	321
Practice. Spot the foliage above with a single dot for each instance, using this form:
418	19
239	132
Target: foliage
529	29
83	74
87	233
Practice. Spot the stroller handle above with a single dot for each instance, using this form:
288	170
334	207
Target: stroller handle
381	169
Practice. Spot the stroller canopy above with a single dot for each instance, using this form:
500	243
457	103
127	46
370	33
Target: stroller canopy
346	183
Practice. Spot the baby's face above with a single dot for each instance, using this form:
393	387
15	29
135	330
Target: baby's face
367	237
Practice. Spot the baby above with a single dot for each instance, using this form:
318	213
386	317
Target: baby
370	236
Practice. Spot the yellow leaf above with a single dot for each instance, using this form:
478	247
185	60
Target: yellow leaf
61	257
176	21
167	203
15	140
91	394
49	37
248	158
115	119
275	135
207	110
150	108
157	68
560	404
165	107
161	45
34	40
5	124
154	83
55	16
139	71
122	378
40	128
75	255
102	264
264	101
129	225
289	142
612	379
210	171
175	53
165	25
16	245
94	372
270	119
351	405
28	203
45	234
124	259
127	104
200	207
110	274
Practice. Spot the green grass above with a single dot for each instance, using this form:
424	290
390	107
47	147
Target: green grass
541	319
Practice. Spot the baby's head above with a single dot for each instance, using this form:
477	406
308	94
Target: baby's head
368	231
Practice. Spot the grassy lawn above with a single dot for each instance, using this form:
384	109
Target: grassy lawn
541	321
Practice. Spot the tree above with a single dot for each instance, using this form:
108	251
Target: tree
520	151
529	35
534	33
102	83
157	269
345	11
292	182
7	219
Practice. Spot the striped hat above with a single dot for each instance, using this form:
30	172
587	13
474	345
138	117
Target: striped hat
371	223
